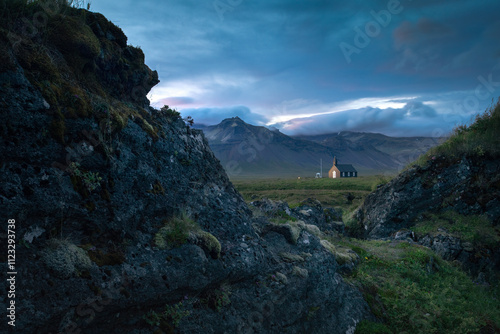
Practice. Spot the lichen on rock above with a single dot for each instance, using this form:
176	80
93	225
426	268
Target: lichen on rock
65	258
342	255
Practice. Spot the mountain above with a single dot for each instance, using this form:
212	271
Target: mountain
246	150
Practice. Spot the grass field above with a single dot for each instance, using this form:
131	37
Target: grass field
330	192
408	287
412	290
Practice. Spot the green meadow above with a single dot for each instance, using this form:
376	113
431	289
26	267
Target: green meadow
346	194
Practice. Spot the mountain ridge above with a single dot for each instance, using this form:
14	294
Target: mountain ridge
247	150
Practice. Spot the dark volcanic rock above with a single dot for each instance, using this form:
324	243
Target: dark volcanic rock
474	260
309	211
90	191
467	186
327	219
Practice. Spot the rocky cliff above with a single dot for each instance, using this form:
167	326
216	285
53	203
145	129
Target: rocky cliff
469	186
124	219
449	201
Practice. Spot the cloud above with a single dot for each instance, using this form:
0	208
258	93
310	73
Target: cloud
210	116
304	109
282	59
175	101
418	109
414	119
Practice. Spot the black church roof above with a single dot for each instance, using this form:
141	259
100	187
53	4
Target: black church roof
346	168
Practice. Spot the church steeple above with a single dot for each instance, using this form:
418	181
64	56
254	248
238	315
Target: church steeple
335	161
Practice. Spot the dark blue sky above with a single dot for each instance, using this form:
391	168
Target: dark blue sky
311	66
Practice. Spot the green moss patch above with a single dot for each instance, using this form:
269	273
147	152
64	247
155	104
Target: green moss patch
181	229
343	255
300	272
476	229
411	290
206	241
168	320
75	40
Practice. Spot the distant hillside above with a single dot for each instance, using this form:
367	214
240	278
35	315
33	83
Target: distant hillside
403	149
254	151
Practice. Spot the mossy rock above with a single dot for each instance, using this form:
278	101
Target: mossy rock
148	128
170	236
328	246
36	61
179	230
102	27
290	258
300	272
313	229
207	242
76	41
65	259
291	231
58	128
342	255
76	101
157	189
281	278
7	62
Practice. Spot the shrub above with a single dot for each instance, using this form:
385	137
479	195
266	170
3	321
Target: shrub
170	113
217	299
